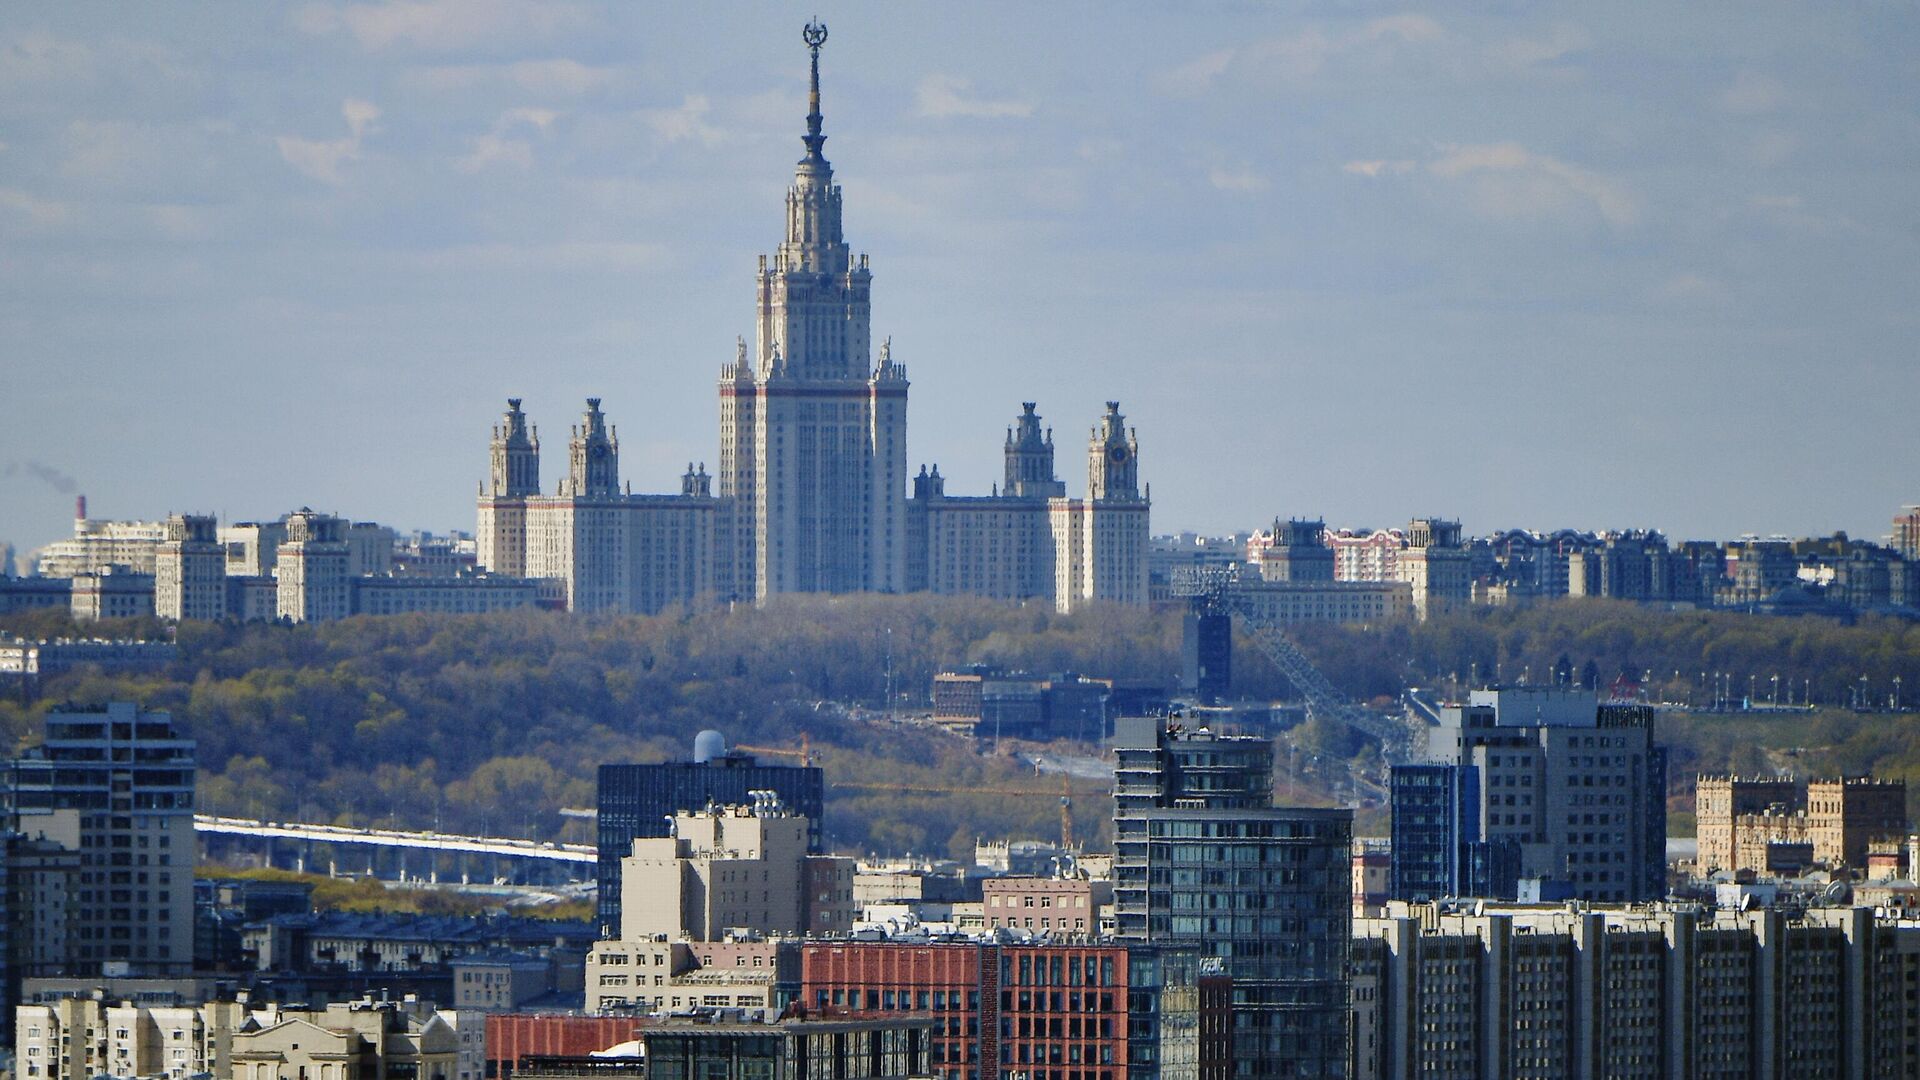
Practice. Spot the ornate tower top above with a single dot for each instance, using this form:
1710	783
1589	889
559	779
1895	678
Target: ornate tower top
514	454
815	35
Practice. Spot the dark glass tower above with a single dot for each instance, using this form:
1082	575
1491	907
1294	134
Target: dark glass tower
1204	860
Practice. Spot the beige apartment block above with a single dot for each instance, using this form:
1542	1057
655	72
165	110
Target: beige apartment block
190	570
1579	992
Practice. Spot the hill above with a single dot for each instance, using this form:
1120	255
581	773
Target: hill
494	723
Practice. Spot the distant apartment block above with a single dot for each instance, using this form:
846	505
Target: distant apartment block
1500	991
116	785
1744	822
1533	788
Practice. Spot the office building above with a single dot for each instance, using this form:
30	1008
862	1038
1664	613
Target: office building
638	801
895	1048
190	570
1585	993
1203	860
1206	655
1095	1011
739	867
1533	787
116	785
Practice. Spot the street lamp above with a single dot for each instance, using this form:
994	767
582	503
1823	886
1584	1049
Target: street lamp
1773	698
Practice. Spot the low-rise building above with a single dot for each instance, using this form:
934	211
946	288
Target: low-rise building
112	593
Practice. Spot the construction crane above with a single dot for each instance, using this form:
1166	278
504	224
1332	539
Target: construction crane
1219	590
1066	794
804	753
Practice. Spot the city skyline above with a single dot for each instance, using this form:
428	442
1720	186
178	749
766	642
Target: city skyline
224	268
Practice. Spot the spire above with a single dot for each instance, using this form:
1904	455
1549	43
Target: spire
815	35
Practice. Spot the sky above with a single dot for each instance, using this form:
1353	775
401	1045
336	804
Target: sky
1524	265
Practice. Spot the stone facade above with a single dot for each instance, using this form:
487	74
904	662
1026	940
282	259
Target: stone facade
190	570
1740	818
604	548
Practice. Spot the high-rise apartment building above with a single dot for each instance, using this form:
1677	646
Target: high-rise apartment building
1437	565
190	570
1591	993
1204	860
315	582
1538	785
116	785
637	801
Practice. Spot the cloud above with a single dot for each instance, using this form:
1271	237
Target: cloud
550	77
565	256
948	95
1752	94
36	210
1299	58
42	58
1514	182
1531	53
1241	179
52	477
1506	180
321	158
439	24
1377	168
501	147
687	121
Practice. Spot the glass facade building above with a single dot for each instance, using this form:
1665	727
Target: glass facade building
639	800
1203	860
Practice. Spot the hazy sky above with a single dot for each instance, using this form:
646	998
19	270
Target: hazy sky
1595	266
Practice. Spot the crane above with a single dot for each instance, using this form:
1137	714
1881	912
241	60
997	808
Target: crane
804	753
1218	589
1066	794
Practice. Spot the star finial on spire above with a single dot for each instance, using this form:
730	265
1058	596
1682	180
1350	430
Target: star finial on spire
815	35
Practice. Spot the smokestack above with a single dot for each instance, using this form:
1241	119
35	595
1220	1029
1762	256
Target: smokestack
79	508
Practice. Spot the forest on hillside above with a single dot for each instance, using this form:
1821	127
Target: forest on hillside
495	723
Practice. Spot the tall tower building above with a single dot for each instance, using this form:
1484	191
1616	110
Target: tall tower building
315	578
1100	545
501	538
813	433
1203	860
115	784
190	570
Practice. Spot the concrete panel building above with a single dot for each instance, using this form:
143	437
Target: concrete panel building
1513	990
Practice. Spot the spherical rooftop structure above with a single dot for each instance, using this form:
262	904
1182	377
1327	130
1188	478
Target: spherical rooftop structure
708	745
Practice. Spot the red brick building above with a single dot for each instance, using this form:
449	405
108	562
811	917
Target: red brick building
512	1036
1043	1012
